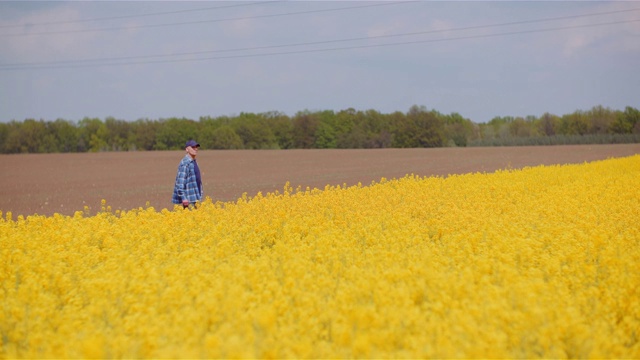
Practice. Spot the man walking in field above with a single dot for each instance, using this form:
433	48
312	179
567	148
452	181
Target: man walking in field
188	186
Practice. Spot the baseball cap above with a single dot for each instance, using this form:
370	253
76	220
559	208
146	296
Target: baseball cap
192	143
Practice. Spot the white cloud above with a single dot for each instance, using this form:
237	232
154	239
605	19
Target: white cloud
45	47
608	32
240	28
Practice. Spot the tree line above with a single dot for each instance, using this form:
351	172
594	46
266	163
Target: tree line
345	129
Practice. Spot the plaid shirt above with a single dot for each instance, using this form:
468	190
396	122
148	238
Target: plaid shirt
186	186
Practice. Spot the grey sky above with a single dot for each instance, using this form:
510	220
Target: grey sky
159	59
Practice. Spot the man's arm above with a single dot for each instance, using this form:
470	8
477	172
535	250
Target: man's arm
181	180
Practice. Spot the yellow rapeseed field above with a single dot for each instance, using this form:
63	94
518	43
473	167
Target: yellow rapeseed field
542	262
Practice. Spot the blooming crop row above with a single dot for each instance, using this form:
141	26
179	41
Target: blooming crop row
538	262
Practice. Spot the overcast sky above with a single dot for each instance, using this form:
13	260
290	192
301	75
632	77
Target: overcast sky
161	59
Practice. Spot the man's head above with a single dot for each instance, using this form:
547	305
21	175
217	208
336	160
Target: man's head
192	143
192	147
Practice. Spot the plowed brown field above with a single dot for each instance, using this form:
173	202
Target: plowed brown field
64	183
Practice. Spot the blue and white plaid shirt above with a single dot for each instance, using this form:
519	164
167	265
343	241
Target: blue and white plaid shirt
186	186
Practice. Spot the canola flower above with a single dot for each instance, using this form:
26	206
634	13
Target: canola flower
541	262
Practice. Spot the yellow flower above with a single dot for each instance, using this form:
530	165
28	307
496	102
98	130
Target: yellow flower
532	263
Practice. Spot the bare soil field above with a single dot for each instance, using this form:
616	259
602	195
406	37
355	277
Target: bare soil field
45	184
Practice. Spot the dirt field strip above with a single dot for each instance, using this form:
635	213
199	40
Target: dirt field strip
64	183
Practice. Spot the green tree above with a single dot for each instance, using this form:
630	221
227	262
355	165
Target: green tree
282	128
173	133
305	125
600	119
500	126
48	144
66	134
457	129
92	135
420	128
520	128
143	134
356	138
32	133
255	134
348	134
548	124
12	142
207	126
574	124
376	127
224	137
4	134
626	122
325	136
118	137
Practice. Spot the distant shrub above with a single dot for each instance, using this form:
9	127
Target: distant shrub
559	140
